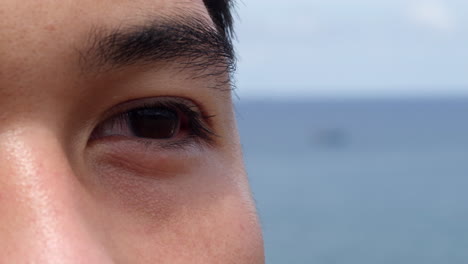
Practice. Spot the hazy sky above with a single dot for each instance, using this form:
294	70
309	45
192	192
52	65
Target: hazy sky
352	47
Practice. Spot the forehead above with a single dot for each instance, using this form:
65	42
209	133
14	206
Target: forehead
55	25
41	38
50	10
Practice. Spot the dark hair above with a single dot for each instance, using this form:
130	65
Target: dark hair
221	14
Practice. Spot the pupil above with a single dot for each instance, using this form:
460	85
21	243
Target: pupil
156	123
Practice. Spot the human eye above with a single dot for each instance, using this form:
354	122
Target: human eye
164	121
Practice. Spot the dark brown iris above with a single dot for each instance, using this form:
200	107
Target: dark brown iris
154	123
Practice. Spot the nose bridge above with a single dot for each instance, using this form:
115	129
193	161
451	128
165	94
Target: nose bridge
41	221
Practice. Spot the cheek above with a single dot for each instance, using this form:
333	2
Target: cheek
177	209
231	232
150	183
197	221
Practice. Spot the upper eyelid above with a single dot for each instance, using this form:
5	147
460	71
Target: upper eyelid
142	102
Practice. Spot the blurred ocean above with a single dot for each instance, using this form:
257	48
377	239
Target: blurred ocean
359	181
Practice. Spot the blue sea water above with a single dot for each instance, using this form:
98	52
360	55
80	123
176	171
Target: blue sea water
359	181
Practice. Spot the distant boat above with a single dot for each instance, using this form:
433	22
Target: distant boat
332	138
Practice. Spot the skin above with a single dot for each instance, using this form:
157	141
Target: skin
68	199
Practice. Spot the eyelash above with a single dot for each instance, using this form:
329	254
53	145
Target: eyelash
198	129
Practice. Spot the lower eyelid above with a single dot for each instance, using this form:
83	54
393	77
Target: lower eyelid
129	155
188	143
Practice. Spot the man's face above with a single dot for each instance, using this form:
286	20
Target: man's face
117	136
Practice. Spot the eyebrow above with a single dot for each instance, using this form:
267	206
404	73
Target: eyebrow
191	42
